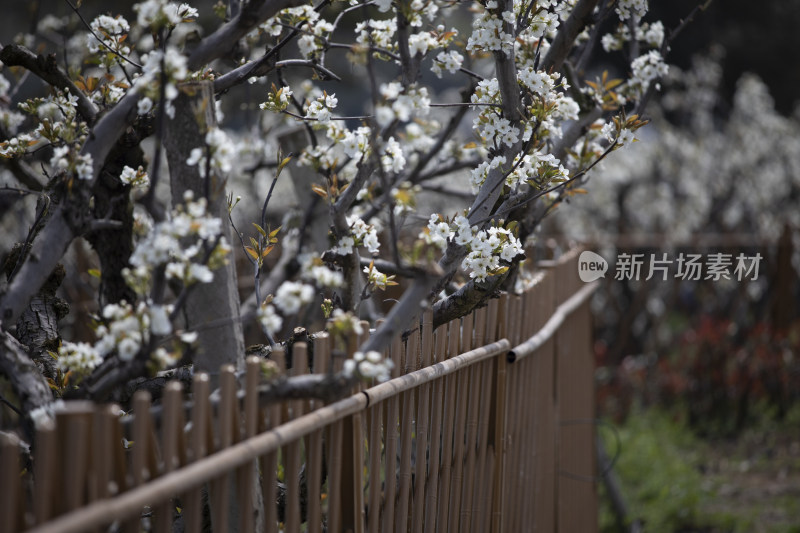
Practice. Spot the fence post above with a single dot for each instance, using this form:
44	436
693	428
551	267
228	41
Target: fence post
498	432
314	455
437	435
46	473
73	427
391	437
202	443
577	494
544	438
11	503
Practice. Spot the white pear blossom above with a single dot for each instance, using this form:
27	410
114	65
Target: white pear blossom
450	61
370	365
291	296
80	358
270	320
221	149
628	8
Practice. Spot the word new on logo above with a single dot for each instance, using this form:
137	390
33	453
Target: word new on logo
591	266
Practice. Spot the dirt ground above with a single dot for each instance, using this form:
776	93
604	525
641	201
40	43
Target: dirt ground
755	480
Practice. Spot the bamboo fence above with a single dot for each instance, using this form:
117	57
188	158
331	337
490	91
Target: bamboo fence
486	425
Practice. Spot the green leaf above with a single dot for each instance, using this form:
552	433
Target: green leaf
260	229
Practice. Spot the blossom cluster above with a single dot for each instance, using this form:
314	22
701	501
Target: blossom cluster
631	8
489	31
79	357
180	244
9	120
314	270
58	123
169	64
377	279
137	179
370	365
651	34
217	155
66	159
109	35
291	296
486	247
315	28
401	103
450	61
647	68
125	330
277	99
269	319
537	169
320	109
154	14
362	234
378	33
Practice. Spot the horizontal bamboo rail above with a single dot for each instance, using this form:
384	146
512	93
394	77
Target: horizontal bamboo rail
531	345
410	381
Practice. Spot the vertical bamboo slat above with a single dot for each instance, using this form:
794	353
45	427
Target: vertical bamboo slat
575	386
359	438
499	419
406	430
200	446
432	488
335	468
11	502
462	404
514	413
171	429
46	474
374	468
143	453
292	450
475	397
422	429
247	473
374	506
314	452
545	435
527	373
335	477
485	482
269	462
73	423
221	499
101	463
390	438
451	394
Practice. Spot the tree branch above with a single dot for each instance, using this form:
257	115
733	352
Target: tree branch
473	294
28	383
47	69
403	312
221	41
580	17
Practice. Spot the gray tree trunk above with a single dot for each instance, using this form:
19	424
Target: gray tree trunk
224	344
